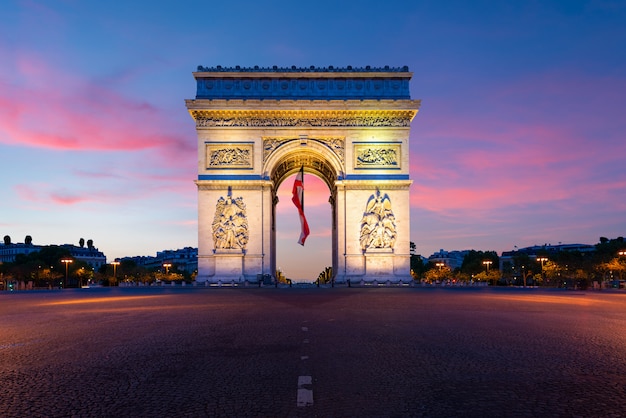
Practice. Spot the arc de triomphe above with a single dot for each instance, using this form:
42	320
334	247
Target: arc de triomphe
348	126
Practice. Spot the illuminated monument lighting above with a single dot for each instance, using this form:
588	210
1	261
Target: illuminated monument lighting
347	126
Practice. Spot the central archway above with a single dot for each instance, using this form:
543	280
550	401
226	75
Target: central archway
313	155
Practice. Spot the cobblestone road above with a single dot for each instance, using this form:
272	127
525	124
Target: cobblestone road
342	352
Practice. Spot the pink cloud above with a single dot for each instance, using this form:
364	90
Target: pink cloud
548	146
49	108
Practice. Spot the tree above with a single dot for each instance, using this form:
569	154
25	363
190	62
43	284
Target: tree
473	263
280	277
325	276
418	267
438	273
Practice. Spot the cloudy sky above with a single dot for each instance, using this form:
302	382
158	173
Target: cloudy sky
520	139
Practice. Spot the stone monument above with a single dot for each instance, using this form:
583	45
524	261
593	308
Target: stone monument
347	126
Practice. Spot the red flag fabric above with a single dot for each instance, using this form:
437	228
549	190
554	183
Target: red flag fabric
298	200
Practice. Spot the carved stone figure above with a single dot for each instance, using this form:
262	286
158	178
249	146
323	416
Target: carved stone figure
378	225
230	224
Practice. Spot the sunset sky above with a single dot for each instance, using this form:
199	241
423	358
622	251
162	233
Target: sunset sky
520	140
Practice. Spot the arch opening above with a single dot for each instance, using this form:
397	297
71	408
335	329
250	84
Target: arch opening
303	263
291	160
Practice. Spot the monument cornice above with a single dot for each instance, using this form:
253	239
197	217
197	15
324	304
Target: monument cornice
302	104
373	184
307	75
233	184
302	70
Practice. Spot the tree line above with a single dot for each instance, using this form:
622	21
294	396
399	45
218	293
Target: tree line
45	269
547	268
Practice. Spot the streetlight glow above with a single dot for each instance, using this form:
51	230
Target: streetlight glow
115	264
167	267
67	262
487	264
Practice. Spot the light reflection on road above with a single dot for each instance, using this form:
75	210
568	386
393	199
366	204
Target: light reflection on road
100	300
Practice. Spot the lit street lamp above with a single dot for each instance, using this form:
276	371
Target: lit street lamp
67	262
542	260
115	264
167	267
440	265
487	264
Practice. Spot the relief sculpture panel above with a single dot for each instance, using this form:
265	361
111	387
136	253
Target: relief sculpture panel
229	156
377	156
378	225
230	224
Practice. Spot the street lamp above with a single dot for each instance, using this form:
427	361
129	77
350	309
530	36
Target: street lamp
115	264
167	267
440	265
542	260
621	253
67	262
487	264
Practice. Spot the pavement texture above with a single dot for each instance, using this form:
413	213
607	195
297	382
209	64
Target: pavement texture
340	352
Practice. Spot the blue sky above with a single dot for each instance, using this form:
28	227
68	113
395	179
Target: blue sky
519	140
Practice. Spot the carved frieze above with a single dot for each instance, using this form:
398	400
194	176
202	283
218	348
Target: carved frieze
378	225
380	155
261	119
237	155
230	224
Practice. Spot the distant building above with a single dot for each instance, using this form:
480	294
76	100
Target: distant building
452	259
90	255
9	252
184	259
531	252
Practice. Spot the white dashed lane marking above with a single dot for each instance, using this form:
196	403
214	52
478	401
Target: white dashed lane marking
305	390
305	396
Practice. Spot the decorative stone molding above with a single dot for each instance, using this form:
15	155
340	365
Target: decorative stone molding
369	185
220	185
230	224
377	156
378	225
232	155
334	144
302	118
294	69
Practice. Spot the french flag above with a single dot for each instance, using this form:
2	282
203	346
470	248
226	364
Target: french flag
298	200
